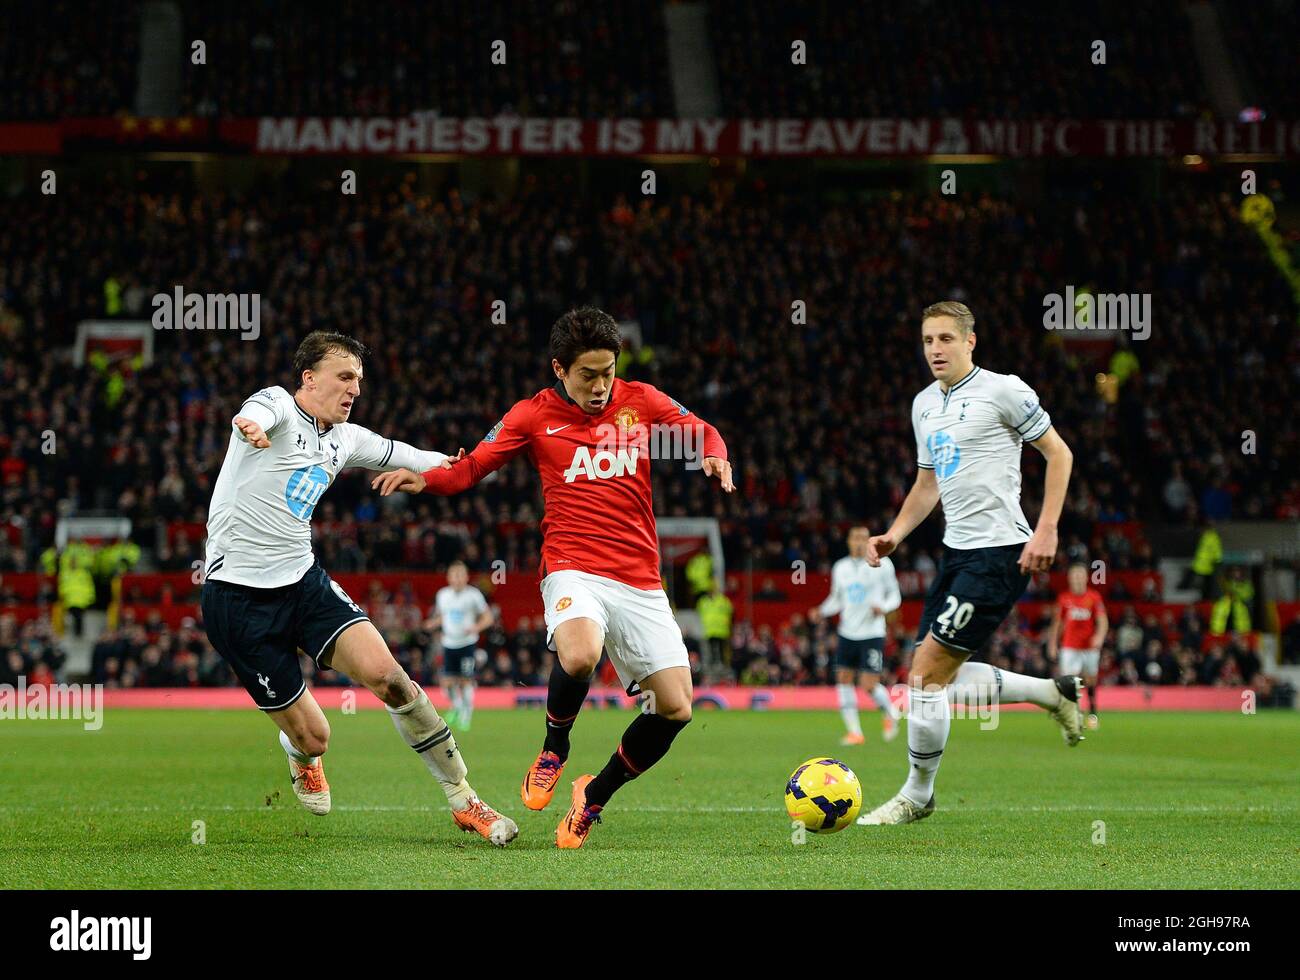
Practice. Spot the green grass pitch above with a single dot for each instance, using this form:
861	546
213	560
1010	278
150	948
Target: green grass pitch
1187	801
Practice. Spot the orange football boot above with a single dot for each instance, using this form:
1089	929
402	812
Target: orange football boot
575	826
481	819
540	780
853	738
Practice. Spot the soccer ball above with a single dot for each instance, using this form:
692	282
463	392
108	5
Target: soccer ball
824	795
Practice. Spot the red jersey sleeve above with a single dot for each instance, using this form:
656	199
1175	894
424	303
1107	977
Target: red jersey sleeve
669	411
508	439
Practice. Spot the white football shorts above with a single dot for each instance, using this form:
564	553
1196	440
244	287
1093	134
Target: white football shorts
641	634
1083	662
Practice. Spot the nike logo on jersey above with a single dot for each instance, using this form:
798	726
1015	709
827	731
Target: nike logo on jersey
551	432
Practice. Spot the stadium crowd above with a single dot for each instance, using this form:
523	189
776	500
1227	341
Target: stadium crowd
147	653
565	58
918	59
816	413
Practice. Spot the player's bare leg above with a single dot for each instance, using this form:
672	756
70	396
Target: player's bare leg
466	702
980	685
665	712
361	653
578	643
304	736
848	698
449	688
888	713
460	693
1090	682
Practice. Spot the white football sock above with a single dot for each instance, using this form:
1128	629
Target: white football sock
928	721
467	703
981	684
880	695
849	707
424	730
302	758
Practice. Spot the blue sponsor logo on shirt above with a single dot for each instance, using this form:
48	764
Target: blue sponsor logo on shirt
856	593
944	453
304	489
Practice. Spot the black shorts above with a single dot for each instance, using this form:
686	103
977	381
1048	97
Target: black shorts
460	661
971	595
259	631
867	656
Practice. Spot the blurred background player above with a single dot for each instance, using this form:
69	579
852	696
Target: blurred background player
600	554
462	613
970	425
265	595
863	595
1079	622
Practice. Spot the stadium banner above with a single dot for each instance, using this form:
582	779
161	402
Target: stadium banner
866	138
430	133
722	698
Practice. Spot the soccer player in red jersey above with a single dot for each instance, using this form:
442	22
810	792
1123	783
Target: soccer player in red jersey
1079	623
590	437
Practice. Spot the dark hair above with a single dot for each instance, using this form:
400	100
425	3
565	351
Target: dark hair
318	345
582	330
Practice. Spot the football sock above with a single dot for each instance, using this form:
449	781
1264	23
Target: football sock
981	684
928	721
564	696
644	743
880	694
1092	699
302	758
467	706
849	707
424	730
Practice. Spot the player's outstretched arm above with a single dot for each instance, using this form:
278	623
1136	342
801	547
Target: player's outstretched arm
1053	633
696	432
921	499
251	432
1103	626
721	468
508	438
1040	550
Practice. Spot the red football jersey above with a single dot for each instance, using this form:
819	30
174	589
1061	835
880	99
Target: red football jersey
1079	614
595	472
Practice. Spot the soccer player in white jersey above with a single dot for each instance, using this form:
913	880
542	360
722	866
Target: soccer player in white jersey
863	595
970	425
265	595
462	613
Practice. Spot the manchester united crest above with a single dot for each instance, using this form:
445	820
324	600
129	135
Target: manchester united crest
563	604
625	418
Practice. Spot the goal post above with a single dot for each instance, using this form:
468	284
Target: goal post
684	545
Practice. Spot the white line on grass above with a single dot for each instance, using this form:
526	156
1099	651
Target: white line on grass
375	808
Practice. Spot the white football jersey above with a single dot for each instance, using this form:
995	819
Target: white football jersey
971	437
855	588
459	611
259	521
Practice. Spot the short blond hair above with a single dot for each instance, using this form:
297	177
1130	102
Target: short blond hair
950	307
